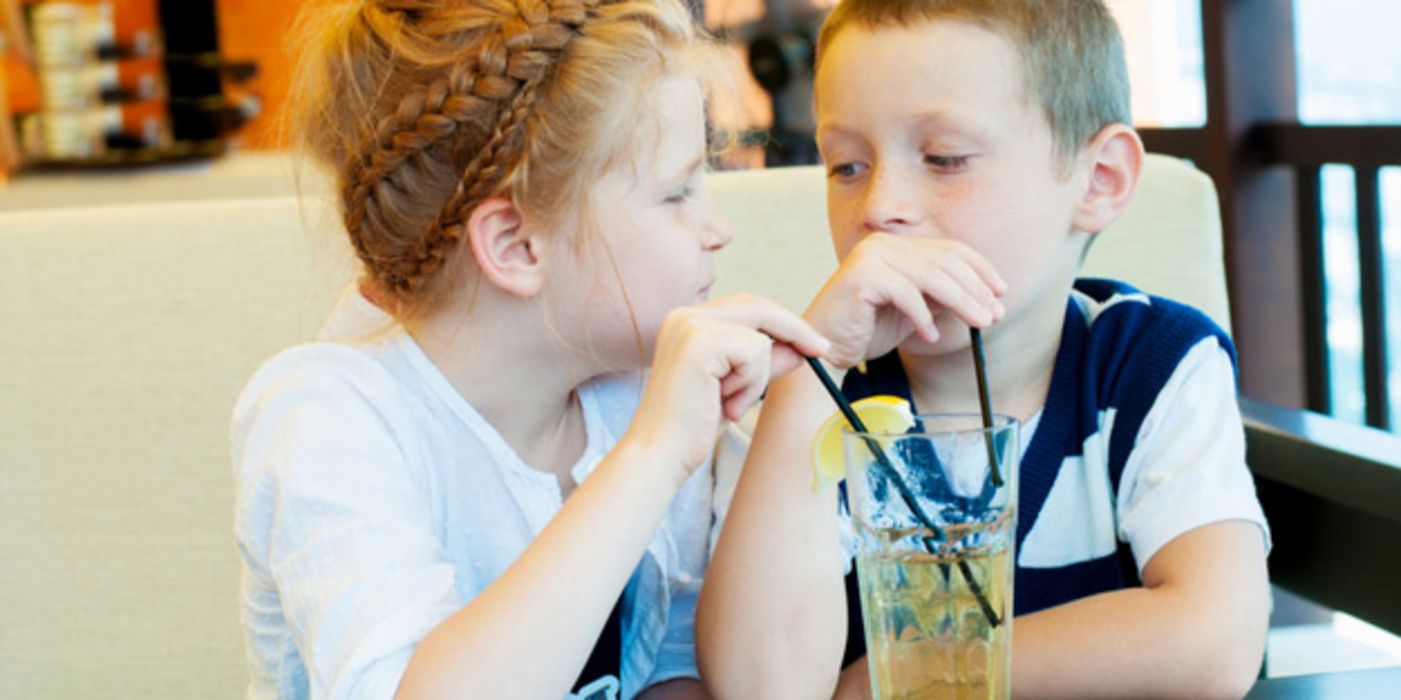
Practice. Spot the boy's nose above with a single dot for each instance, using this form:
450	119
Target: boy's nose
888	206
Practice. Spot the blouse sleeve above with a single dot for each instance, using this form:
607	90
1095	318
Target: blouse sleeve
332	513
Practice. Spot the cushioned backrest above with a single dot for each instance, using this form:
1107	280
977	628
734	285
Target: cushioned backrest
1168	242
128	332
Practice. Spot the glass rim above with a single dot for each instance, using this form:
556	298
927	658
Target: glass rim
1000	422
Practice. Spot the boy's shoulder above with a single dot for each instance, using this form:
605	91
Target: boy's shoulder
1124	324
1129	345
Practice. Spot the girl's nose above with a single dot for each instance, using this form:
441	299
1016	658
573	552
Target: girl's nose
717	232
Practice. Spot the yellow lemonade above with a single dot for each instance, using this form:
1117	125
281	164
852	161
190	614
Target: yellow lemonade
927	634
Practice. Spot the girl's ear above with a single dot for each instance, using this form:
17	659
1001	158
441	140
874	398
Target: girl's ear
1115	159
505	252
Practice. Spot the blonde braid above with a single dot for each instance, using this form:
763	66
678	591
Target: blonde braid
512	62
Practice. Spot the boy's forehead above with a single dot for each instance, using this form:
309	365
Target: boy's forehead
940	72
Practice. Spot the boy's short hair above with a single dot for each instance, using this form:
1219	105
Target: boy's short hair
1072	54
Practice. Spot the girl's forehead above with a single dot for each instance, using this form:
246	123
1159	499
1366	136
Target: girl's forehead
667	144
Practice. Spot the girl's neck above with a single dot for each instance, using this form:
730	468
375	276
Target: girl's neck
508	367
1020	354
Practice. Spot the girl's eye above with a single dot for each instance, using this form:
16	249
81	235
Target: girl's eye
947	162
680	196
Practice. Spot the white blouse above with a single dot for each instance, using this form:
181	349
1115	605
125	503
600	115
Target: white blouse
373	502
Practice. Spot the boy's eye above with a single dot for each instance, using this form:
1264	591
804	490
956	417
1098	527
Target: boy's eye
844	170
947	162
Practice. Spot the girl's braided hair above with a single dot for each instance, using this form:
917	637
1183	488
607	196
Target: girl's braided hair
425	108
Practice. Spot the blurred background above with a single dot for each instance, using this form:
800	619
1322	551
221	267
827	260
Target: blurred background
1293	107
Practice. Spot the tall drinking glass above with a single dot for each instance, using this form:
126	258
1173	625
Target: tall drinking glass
935	515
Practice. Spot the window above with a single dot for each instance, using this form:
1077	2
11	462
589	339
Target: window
1349	61
1163	46
1349	73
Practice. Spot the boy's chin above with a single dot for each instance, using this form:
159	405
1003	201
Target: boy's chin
952	339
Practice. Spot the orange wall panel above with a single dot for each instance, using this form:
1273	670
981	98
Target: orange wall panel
255	30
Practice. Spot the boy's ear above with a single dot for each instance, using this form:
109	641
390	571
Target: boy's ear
505	251
1115	159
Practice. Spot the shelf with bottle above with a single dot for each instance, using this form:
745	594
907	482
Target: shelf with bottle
115	91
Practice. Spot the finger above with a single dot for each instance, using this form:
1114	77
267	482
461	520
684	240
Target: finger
983	267
941	287
731	384
784	358
987	275
944	248
772	319
925	262
902	293
749	361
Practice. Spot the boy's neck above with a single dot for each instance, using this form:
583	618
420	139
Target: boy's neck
1020	354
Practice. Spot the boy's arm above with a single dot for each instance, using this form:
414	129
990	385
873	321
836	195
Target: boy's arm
772	619
1197	626
1195	629
1150	641
676	689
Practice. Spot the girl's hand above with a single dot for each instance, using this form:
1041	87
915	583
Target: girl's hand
889	287
712	362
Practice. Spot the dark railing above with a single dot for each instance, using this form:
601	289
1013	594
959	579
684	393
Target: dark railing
1331	491
1306	149
1332	494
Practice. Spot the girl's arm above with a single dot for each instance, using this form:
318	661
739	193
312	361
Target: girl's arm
340	528
528	634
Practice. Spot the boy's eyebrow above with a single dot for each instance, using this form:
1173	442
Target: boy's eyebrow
952	122
938	119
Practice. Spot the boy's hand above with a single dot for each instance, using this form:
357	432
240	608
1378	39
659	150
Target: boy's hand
890	287
712	362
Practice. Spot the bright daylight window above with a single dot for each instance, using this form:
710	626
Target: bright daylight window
1349	68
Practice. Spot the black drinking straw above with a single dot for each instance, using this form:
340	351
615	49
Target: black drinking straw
984	401
900	487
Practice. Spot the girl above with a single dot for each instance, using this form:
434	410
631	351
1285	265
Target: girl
522	183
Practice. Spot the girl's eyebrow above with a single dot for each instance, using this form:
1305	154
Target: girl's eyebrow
686	172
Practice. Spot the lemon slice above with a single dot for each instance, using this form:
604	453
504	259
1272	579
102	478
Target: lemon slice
881	414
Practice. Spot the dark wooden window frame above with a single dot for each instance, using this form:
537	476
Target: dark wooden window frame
1331	491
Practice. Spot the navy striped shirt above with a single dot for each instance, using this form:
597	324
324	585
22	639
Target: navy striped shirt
1119	349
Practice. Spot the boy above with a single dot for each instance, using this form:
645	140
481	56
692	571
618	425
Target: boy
968	143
